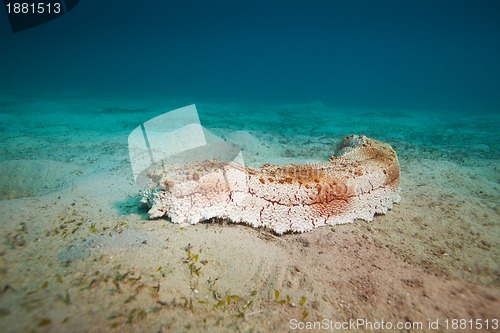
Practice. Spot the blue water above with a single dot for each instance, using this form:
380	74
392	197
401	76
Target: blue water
412	55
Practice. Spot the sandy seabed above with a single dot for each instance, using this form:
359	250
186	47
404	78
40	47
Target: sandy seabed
78	253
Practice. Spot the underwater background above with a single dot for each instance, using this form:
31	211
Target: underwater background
286	81
434	55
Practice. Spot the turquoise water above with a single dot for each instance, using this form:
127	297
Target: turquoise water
412	55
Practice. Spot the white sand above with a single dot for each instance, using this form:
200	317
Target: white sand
79	254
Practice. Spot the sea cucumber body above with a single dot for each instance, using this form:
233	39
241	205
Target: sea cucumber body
362	181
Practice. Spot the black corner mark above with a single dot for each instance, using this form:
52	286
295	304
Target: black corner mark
25	14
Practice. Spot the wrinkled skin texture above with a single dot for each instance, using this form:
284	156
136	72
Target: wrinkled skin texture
361	181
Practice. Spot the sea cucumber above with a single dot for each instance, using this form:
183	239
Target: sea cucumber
363	180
